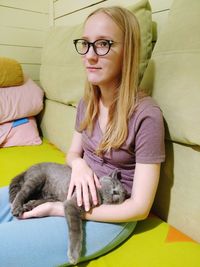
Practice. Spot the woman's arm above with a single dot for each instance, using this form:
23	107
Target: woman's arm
75	151
139	205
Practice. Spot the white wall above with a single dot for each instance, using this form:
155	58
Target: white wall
23	26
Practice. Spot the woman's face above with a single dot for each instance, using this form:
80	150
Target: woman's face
104	71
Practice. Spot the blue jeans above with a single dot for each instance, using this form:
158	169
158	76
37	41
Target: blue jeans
42	242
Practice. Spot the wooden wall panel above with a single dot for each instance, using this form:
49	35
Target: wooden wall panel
37	6
23	27
20	18
70	12
63	8
21	37
24	55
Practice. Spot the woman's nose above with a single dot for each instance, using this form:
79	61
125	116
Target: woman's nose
91	53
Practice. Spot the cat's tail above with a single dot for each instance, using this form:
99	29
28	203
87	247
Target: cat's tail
15	186
73	216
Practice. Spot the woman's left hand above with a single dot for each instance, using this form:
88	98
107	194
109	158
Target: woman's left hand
44	210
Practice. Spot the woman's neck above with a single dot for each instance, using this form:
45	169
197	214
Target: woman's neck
107	96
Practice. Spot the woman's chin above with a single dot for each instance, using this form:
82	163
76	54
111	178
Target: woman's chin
93	81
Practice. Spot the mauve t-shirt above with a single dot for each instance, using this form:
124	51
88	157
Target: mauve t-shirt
144	144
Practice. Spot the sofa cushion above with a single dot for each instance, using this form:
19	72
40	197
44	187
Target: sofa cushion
173	74
62	75
20	101
61	72
142	10
11	73
22	132
154	243
57	123
14	160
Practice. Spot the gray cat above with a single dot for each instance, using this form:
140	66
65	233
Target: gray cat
49	181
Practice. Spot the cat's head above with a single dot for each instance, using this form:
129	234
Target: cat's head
112	190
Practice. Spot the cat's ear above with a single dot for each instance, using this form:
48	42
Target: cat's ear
115	174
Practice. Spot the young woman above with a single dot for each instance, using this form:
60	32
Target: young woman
117	126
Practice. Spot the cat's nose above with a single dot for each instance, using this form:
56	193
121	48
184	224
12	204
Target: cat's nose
115	192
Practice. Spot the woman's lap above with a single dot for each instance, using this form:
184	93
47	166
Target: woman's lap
33	242
5	212
43	242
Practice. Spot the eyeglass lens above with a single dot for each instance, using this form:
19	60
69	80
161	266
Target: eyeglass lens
101	47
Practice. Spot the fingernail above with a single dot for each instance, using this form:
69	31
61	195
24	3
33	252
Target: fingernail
86	208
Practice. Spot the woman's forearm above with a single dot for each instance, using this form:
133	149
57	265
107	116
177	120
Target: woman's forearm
125	212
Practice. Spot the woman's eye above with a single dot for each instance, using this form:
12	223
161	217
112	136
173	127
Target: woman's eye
84	44
102	44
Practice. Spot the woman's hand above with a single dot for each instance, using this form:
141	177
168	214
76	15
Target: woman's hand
84	181
44	210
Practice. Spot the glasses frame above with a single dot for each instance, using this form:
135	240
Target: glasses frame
110	43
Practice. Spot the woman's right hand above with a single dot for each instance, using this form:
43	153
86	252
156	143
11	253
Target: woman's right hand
85	182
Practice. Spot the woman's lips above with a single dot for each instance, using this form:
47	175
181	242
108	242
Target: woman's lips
91	69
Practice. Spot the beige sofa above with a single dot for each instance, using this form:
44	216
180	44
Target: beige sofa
173	76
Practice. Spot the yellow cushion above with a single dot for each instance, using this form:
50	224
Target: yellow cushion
153	243
11	73
14	160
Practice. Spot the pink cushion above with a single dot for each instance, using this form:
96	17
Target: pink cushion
21	135
20	101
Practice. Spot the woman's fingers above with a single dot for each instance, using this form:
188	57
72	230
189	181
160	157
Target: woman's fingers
70	189
86	198
79	195
85	193
97	183
93	191
85	183
39	211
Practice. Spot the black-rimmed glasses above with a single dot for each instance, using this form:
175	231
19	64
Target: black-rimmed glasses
101	46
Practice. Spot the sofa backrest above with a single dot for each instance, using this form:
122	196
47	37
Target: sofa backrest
173	76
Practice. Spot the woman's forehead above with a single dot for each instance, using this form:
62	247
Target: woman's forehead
101	24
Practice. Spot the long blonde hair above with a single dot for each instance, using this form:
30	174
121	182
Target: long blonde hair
125	100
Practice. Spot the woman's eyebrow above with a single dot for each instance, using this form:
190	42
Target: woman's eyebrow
98	37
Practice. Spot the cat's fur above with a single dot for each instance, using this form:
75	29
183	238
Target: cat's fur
49	181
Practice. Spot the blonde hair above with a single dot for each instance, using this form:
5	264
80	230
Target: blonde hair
125	100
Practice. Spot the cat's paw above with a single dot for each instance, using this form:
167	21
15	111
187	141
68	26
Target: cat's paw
17	211
73	257
29	205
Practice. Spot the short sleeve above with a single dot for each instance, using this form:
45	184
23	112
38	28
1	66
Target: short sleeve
149	142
